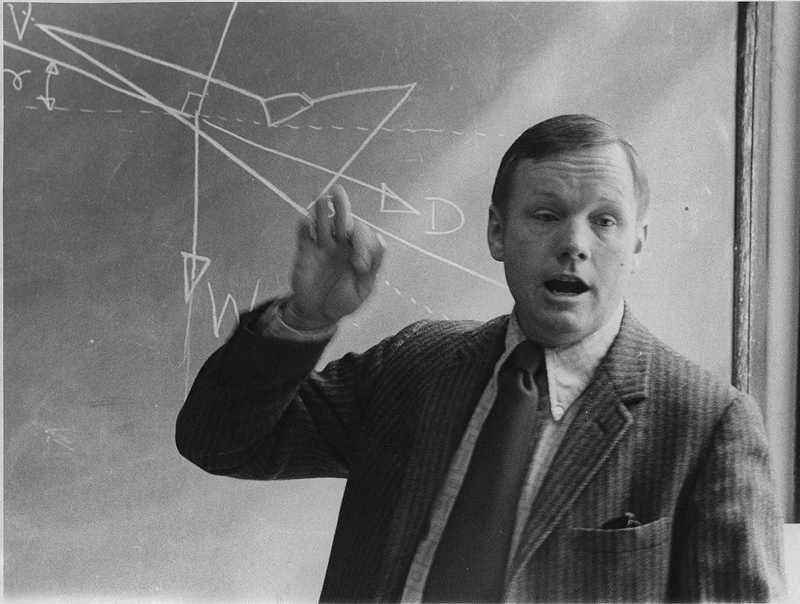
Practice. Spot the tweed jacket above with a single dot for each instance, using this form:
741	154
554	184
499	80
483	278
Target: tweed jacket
656	436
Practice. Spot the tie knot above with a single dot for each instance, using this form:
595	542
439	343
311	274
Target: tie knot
527	356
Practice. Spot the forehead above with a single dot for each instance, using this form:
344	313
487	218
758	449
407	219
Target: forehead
604	169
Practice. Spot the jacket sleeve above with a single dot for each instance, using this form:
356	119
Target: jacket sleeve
257	409
731	548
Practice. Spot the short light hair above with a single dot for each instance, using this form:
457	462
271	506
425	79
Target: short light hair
567	133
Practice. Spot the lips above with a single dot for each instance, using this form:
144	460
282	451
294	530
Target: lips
566	285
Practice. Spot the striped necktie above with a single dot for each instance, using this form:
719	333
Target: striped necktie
470	562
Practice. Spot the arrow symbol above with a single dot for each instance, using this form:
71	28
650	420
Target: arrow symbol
388	194
49	102
20	30
190	275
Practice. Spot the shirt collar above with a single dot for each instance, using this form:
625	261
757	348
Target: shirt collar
570	369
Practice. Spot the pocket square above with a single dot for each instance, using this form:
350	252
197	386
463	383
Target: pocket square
627	520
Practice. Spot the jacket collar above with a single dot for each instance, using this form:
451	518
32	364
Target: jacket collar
627	366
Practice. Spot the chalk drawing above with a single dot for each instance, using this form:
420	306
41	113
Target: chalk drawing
189	283
195	278
196	207
411	299
139	93
16	82
20	28
383	231
254	299
49	101
281	105
192	100
394	199
434	230
60	436
278	111
217	318
142	95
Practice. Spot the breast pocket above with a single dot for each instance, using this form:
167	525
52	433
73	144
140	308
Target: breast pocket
628	564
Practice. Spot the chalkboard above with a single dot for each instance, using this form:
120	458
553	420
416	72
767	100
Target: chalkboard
156	160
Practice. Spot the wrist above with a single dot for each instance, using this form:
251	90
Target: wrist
300	321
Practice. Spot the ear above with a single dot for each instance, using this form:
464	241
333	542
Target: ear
495	233
641	239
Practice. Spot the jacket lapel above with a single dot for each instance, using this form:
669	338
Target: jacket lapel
602	422
448	400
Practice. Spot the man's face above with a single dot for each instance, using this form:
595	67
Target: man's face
569	240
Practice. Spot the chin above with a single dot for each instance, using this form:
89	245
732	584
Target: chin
556	331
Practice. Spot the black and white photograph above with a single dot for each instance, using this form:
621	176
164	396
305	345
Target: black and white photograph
400	302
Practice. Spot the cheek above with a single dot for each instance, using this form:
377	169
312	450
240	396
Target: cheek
618	252
617	263
524	247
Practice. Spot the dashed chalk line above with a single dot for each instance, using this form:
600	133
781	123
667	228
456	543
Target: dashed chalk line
413	300
314	127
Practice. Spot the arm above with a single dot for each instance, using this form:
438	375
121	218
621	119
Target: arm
729	547
257	409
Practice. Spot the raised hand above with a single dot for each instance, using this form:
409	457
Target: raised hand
335	267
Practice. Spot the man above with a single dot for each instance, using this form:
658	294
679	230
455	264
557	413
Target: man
596	465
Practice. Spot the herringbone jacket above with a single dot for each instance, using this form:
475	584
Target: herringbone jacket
655	435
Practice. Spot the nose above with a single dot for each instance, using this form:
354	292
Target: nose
574	241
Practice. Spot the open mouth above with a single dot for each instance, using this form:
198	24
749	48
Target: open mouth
566	286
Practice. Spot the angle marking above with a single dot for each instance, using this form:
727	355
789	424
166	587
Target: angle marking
82	72
188	101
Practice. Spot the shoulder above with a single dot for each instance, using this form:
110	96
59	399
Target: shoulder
432	332
679	387
437	343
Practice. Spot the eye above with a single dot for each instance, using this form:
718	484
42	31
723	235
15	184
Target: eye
545	216
605	221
